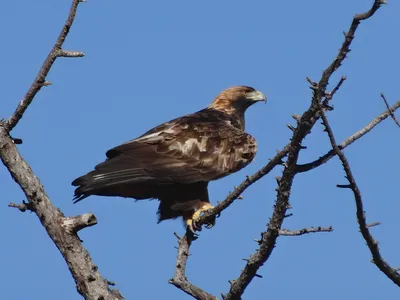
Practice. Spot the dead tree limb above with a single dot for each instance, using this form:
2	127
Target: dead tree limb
331	153
179	280
305	123
63	231
40	79
372	244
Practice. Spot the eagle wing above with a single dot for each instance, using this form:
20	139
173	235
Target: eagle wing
186	150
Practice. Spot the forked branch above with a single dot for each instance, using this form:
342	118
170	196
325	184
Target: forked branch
40	79
63	231
378	260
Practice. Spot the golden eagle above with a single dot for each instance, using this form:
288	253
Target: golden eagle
174	161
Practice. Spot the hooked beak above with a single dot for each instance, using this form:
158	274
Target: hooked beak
256	96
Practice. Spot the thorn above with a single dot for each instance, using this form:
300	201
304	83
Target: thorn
177	236
312	83
290	127
47	83
373	224
240	197
257	241
245	259
303	147
296	117
288	215
17	141
257	275
344	186
112	283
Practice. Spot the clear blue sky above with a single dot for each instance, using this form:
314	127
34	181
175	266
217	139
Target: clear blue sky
150	61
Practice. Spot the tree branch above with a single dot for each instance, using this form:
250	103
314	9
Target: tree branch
286	232
180	280
378	260
40	79
89	281
305	124
63	231
325	158
76	223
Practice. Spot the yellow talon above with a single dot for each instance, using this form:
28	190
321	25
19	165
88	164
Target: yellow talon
192	219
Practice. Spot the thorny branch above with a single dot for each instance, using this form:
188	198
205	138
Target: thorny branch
306	122
40	79
331	153
180	280
63	231
292	150
361	218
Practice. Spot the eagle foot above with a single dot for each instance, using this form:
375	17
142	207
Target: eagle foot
191	223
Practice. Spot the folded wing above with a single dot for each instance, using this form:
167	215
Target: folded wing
186	150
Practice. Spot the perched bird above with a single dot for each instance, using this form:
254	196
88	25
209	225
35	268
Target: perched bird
175	161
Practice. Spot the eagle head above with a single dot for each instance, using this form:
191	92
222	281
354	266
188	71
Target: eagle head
236	99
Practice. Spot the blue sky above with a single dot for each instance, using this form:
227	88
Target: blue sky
150	61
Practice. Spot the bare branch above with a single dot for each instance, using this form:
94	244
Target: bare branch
180	280
305	124
337	87
67	53
303	231
390	110
378	260
76	223
325	158
90	283
40	79
24	206
63	231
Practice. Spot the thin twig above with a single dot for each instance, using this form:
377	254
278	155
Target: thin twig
329	95
326	157
378	260
286	232
40	79
180	280
337	87
390	110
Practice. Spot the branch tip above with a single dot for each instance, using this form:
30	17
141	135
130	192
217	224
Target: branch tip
24	206
77	223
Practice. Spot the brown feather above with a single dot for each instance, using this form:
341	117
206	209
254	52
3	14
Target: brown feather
174	161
